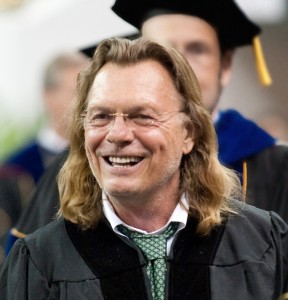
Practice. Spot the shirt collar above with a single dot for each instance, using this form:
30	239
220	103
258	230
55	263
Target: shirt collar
180	215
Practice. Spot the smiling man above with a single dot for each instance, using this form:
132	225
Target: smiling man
206	32
147	210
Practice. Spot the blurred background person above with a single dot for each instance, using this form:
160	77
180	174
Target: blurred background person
21	171
207	33
58	90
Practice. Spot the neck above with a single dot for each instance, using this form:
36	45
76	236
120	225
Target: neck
146	215
62	132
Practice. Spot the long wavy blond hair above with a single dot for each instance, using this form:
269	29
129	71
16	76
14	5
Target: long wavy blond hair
209	186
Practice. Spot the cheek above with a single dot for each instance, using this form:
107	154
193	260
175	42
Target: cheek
204	76
206	72
197	68
92	143
92	139
207	77
170	142
89	147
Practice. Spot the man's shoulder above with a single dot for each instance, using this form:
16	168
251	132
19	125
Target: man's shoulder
249	235
271	157
250	215
268	179
253	222
53	232
279	150
49	249
49	243
239	138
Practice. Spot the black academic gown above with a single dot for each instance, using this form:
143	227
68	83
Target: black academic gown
243	259
268	180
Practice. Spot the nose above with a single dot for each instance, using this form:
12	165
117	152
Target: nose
120	132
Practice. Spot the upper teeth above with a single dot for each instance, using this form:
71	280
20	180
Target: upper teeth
123	160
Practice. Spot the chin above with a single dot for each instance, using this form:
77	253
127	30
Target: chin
120	191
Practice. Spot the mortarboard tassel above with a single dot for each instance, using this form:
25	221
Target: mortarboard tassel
262	69
244	180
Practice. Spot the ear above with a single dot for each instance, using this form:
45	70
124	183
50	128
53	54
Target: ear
226	67
188	142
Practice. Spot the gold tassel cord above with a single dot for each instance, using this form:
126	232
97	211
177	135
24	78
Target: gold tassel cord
17	233
264	75
245	177
283	296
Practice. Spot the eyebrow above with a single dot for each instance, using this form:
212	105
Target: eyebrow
133	109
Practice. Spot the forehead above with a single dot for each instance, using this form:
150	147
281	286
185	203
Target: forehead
142	83
178	27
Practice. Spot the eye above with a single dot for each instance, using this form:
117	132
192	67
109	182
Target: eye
99	119
142	119
100	116
197	48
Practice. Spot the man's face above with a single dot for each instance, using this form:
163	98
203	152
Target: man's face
130	160
198	42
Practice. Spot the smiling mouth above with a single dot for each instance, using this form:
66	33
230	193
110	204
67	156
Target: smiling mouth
123	162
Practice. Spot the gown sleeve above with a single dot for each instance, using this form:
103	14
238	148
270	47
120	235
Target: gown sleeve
280	237
20	278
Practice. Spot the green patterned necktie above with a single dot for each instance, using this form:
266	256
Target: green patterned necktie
154	248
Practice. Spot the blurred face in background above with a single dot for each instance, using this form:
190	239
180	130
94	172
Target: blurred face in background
58	99
197	40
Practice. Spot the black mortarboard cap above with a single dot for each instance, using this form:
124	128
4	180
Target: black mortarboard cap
233	26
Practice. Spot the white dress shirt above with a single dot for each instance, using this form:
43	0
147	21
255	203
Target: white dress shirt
179	215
